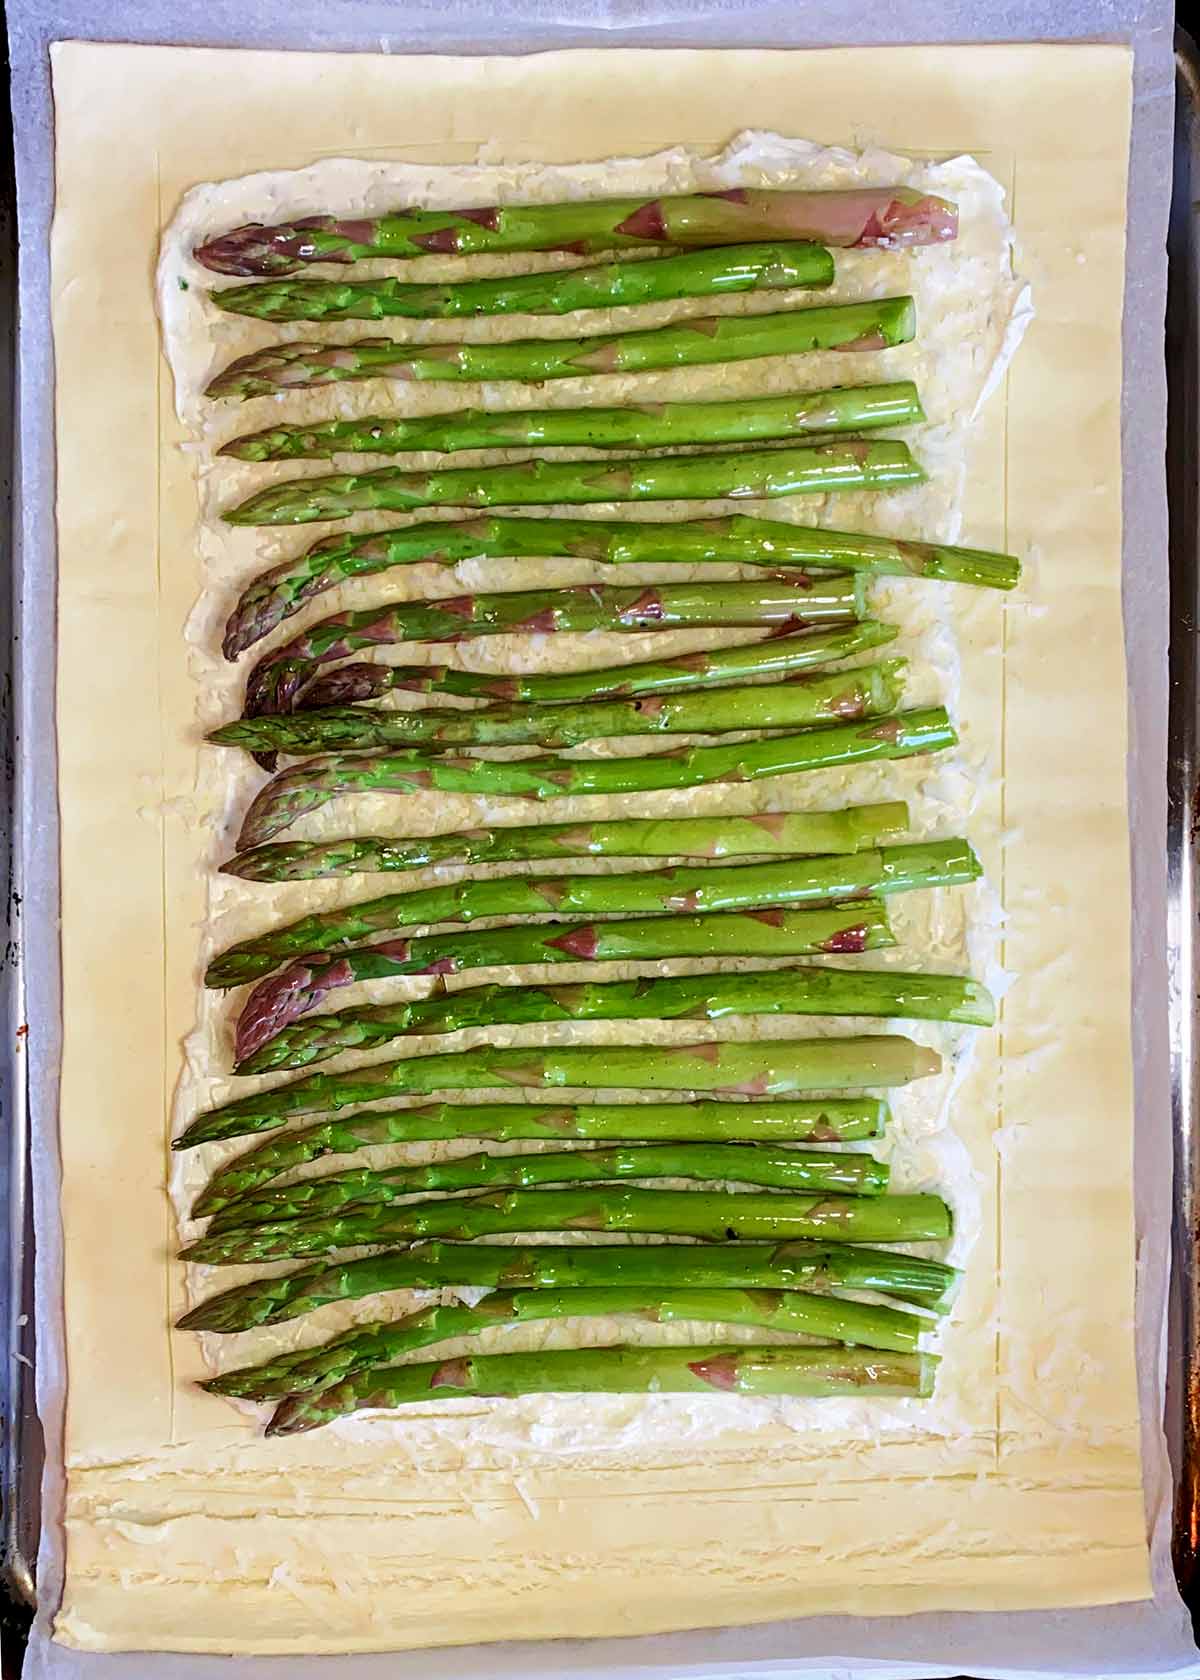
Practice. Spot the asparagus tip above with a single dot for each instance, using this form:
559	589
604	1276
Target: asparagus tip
288	1418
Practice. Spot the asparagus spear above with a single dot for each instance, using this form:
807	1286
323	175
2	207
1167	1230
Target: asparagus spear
892	218
874	325
822	1266
853	408
823	697
313	783
689	343
772	1068
810	1372
848	830
681	891
775	656
369	1346
282	591
715	1215
783	605
716	273
814	469
859	925
741	1163
812	1120
702	997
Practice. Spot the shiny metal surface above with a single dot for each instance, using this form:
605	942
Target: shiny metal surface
20	1436
20	1445
1183	779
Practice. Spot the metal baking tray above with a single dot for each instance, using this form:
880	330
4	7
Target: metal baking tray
1183	832
20	1442
21	1452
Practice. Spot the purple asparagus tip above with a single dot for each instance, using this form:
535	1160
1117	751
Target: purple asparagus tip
247	251
260	250
363	681
273	1005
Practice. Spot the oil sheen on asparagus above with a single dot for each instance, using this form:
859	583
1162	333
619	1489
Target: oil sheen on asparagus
874	325
852	829
313	783
853	408
716	273
809	990
888	218
826	1267
800	1120
285	588
727	1068
815	469
686	890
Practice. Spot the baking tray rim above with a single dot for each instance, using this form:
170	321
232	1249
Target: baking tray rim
30	1077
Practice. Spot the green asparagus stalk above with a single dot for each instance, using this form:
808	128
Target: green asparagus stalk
683	891
891	218
312	784
715	273
772	1068
759	419
796	832
874	325
809	1266
783	605
822	697
814	1373
806	1170
714	1215
282	591
807	1372
704	997
369	1346
815	469
858	925
812	1120
854	926
777	656
854	408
